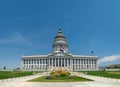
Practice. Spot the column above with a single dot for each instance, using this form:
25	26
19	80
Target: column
38	63
88	64
80	64
64	62
71	64
52	62
91	64
77	64
25	64
55	62
58	62
42	63
61	62
22	64
83	63
33	64
28	63
67	62
94	63
49	62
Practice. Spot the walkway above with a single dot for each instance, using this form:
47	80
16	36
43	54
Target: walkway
21	82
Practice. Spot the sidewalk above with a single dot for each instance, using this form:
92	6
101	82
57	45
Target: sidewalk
21	82
98	78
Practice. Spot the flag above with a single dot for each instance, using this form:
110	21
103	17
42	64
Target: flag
61	48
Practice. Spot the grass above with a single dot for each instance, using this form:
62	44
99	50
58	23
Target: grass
108	74
13	74
60	79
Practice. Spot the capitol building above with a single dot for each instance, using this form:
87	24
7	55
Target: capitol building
59	58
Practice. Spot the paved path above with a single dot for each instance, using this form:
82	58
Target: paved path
21	82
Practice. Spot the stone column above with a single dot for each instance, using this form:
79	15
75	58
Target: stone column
32	64
55	62
64	62
88	64
52	62
41	64
49	62
96	64
71	63
38	63
67	62
84	64
91	64
80	64
22	65
61	62
44	61
77	64
28	63
58	62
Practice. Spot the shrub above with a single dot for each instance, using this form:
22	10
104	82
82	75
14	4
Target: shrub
57	74
49	77
68	73
65	74
61	73
52	73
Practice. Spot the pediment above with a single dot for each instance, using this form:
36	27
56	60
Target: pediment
60	54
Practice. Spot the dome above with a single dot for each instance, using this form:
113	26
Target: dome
60	42
60	34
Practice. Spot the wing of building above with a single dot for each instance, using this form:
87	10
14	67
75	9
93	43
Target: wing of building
60	58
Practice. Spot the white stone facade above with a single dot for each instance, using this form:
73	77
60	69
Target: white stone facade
60	58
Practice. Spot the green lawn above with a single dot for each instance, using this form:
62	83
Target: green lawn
60	79
109	74
13	74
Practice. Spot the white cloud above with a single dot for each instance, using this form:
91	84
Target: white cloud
16	38
109	58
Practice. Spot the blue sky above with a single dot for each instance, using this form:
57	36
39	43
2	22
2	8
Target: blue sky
28	27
